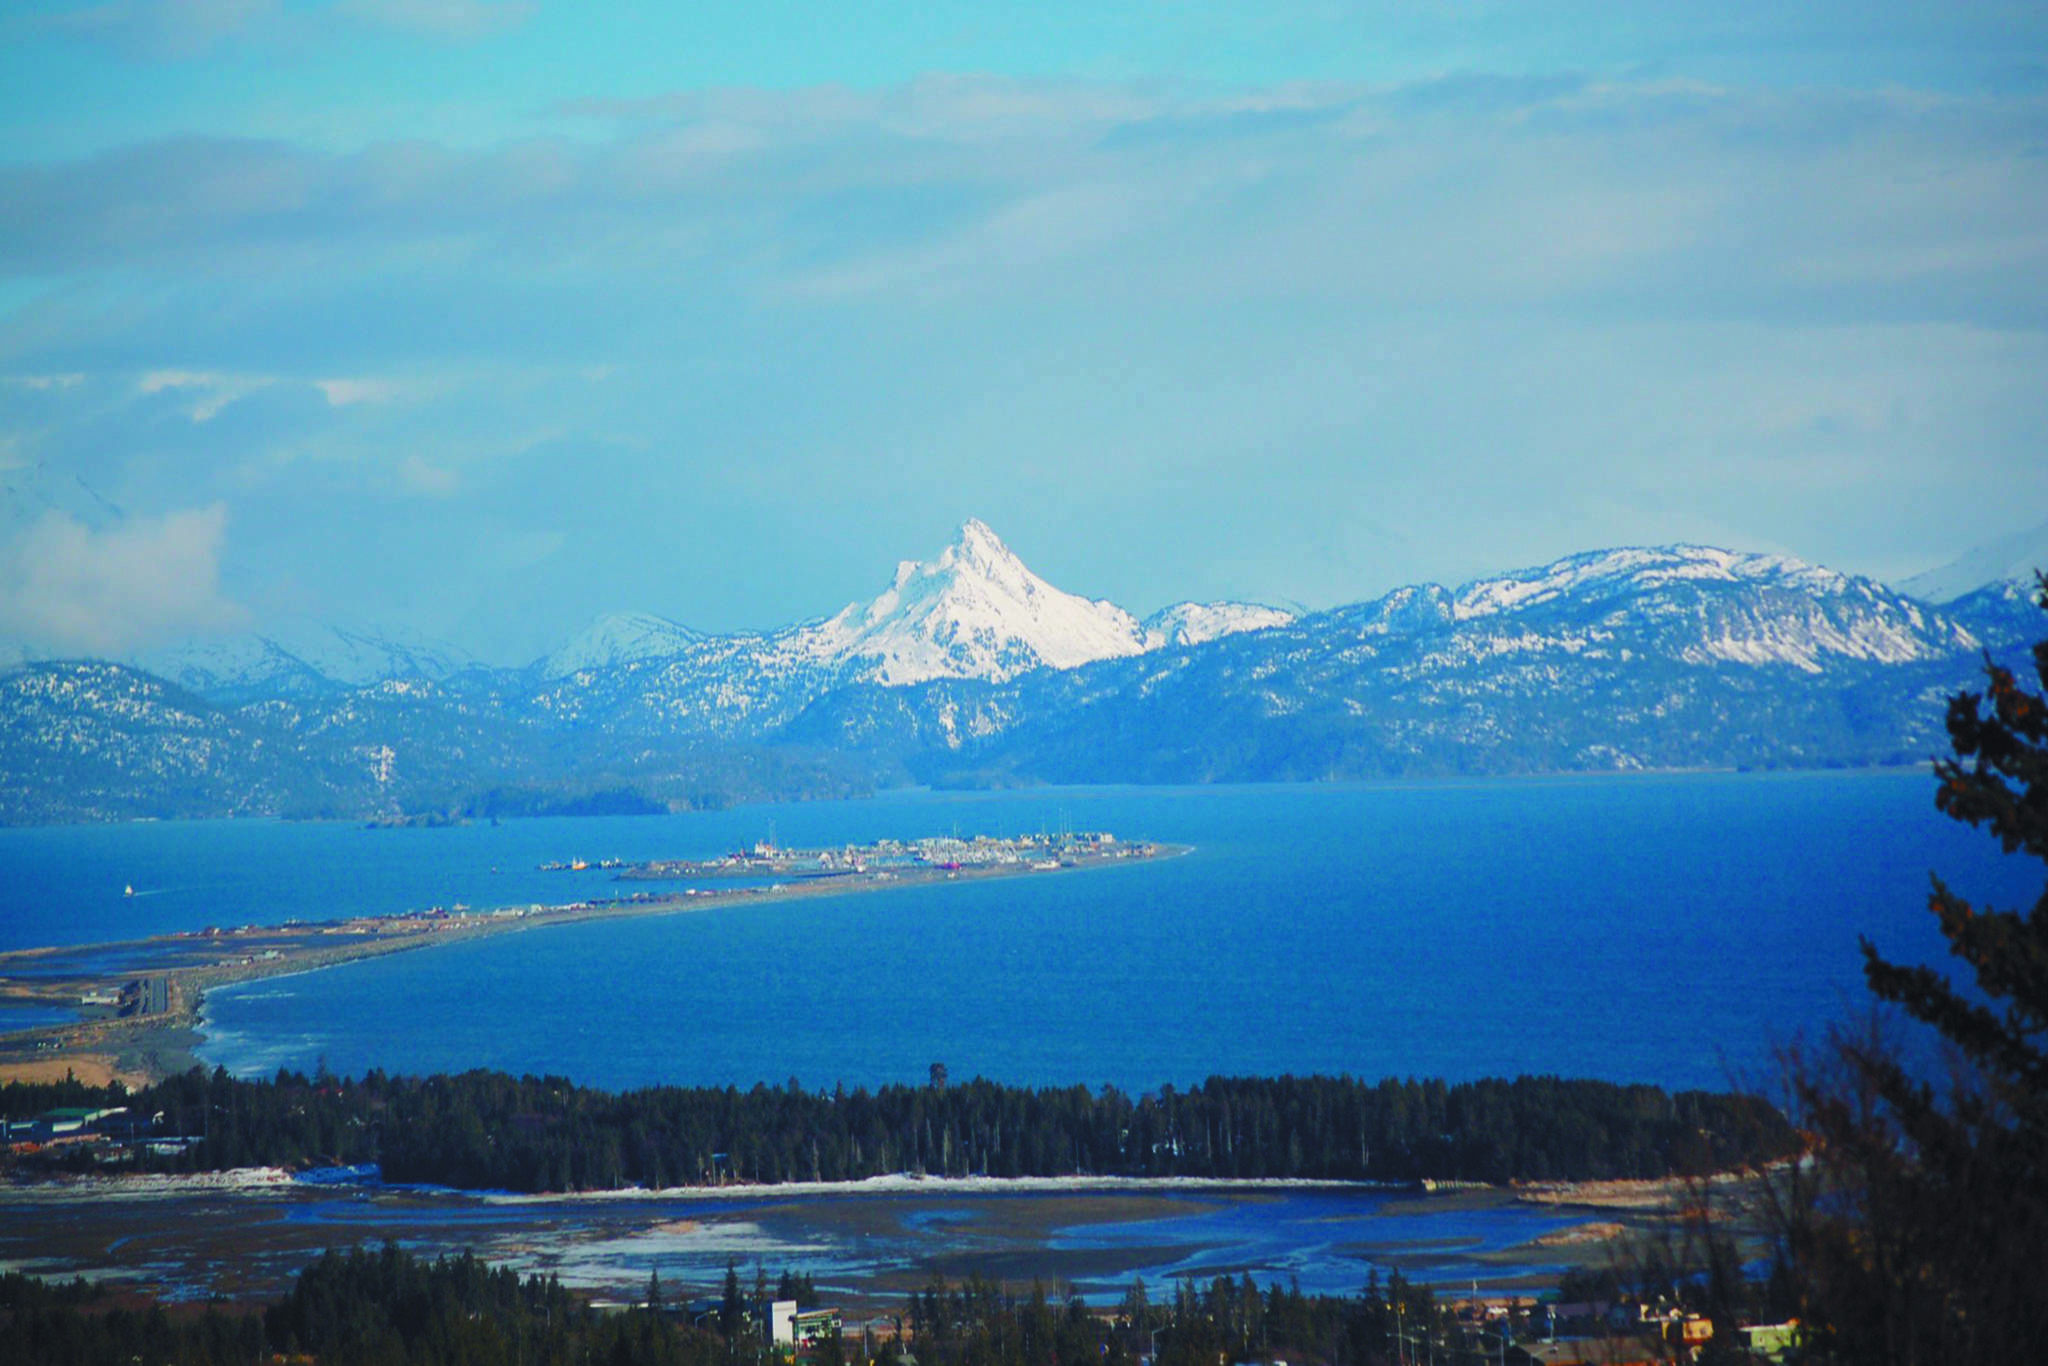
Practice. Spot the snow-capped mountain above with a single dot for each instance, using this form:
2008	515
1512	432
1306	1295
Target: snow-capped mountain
1673	657
2007	560
1630	570
301	658
971	669
974	612
1991	590
618	638
1197	623
1726	605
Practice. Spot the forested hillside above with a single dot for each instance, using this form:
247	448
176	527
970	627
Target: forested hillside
490	1130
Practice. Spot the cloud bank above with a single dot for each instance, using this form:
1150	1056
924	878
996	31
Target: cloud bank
68	589
1304	341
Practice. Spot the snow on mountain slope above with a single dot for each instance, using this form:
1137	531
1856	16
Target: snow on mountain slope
361	655
2009	559
1728	605
619	638
300	657
1632	569
975	612
235	664
1194	623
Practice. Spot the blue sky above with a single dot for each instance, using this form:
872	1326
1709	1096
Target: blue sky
477	319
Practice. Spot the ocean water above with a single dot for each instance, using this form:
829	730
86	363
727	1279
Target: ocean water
1665	928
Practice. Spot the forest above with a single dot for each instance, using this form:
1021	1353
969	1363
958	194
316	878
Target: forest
388	1306
489	1130
372	1308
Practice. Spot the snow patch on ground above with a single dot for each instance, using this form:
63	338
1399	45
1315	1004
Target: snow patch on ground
280	1181
905	1183
158	1185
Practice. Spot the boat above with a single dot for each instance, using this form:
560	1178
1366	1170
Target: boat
128	890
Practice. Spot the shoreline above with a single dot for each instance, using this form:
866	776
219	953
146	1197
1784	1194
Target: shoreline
1615	1198
1438	777
270	1178
248	1233
154	1044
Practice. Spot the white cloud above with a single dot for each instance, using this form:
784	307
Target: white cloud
1654	198
420	476
156	381
213	392
68	588
340	393
1460	308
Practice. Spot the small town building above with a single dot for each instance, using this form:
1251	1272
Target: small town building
813	1326
1626	1350
1771	1340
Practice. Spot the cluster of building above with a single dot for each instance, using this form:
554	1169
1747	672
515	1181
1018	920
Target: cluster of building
1600	1334
105	1134
138	996
950	853
794	1333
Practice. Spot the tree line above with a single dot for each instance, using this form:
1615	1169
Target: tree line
389	1307
490	1130
381	1308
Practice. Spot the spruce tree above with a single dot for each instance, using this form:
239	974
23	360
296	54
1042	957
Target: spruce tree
732	1307
1930	1242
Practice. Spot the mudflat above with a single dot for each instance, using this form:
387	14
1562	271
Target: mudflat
245	1235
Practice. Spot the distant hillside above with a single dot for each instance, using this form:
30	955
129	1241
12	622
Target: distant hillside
1681	657
92	741
972	670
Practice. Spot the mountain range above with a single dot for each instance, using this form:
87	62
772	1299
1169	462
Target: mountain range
975	611
970	669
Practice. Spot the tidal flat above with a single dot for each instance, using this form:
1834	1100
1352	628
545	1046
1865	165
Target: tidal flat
243	1236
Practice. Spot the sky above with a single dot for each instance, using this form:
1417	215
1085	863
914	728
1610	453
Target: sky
474	319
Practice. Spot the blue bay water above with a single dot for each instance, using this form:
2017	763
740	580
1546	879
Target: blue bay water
1666	928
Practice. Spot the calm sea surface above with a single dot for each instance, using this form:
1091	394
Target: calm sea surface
1661	928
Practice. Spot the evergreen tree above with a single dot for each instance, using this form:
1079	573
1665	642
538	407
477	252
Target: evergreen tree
1929	1242
732	1307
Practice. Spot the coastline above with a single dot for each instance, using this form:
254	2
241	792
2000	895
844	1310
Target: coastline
246	1234
142	1184
175	971
1653	1197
